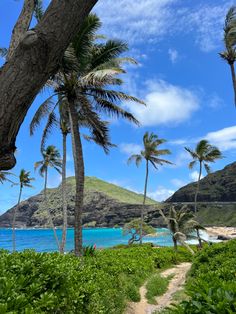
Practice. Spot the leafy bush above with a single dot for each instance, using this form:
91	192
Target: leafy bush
212	281
39	283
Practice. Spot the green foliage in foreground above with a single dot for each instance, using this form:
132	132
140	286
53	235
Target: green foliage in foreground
33	282
156	286
212	281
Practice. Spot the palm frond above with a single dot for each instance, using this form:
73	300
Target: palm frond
207	168
192	164
51	122
191	152
104	53
136	158
113	110
38	10
44	109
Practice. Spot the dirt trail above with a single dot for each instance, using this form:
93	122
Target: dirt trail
165	300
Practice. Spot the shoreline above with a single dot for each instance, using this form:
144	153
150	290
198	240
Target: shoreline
222	231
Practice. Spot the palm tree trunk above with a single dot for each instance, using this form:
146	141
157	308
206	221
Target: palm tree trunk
14	221
199	238
64	200
144	200
79	177
233	80
49	214
197	189
175	243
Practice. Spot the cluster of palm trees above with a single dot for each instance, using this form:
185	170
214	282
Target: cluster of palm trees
84	90
182	222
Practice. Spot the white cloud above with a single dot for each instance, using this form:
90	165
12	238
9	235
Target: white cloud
207	22
136	21
173	55
161	193
167	104
178	183
130	148
194	176
225	138
151	20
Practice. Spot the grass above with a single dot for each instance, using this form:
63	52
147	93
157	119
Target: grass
156	286
115	192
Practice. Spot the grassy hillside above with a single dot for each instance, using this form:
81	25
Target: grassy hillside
111	190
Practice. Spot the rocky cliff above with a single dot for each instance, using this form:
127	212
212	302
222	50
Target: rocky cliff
219	186
105	205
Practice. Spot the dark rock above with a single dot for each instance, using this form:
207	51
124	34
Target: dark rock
223	237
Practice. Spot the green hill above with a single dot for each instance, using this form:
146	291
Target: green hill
105	204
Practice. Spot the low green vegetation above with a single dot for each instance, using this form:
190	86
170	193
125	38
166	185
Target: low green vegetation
114	191
156	285
211	285
103	282
217	215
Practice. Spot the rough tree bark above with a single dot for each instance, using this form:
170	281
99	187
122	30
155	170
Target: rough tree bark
34	60
22	25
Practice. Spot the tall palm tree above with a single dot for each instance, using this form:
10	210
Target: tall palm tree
87	71
47	109
51	159
150	154
98	134
181	224
84	83
24	181
203	154
229	55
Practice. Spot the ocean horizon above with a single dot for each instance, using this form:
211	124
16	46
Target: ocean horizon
42	240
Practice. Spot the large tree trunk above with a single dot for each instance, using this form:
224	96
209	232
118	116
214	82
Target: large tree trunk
22	25
35	59
233	80
64	200
79	177
48	211
142	207
197	189
14	221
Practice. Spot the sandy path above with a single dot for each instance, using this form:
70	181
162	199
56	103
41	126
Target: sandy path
165	300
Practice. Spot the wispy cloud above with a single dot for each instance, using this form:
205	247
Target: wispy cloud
173	55
130	148
225	138
136	21
161	193
167	104
151	21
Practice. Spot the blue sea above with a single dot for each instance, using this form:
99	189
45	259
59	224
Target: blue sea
42	240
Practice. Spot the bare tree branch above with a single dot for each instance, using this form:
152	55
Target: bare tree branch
34	60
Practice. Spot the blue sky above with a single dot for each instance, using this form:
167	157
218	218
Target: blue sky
180	76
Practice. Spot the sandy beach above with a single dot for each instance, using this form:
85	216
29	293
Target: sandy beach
224	231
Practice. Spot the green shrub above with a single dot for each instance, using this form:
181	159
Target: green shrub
212	281
39	283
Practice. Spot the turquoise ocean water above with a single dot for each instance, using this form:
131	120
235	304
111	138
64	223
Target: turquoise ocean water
42	240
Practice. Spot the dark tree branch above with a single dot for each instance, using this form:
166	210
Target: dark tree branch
34	60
